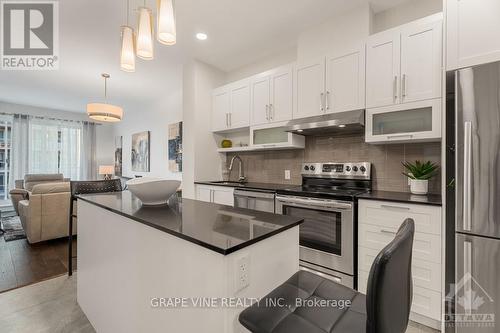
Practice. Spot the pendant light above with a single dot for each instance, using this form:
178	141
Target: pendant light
104	111
166	31
127	54
145	34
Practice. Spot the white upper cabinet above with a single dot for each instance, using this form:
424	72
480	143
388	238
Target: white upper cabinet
272	96
261	92
240	105
310	89
345	81
472	30
334	83
383	55
421	59
231	106
403	65
281	106
221	107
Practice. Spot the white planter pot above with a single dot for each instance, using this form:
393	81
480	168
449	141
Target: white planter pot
418	186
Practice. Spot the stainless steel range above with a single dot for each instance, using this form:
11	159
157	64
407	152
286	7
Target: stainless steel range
326	201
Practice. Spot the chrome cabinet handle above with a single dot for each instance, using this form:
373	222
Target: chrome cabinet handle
468	273
395	87
321	108
409	136
467	216
385	231
403	88
394	207
327	97
227	120
230	120
267	112
271	111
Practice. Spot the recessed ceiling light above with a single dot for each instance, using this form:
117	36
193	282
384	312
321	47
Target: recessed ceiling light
201	36
341	126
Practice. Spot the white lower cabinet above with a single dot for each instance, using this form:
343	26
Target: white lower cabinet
222	195
378	222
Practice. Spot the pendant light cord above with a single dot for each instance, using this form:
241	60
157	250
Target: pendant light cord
105	88
128	12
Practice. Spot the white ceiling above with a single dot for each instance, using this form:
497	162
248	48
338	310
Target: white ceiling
239	32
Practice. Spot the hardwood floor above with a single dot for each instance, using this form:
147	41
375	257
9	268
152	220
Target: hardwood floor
22	264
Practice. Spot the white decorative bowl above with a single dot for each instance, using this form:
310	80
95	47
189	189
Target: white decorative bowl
153	191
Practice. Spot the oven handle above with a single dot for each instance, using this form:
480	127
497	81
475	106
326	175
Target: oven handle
314	202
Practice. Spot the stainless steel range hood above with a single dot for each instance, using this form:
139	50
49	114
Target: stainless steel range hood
340	123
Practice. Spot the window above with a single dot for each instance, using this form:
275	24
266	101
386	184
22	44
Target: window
55	147
5	148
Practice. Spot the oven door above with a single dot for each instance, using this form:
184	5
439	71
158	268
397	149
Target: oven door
326	235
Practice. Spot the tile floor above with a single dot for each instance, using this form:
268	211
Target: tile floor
51	307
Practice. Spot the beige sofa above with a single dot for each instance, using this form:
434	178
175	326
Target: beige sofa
24	186
44	215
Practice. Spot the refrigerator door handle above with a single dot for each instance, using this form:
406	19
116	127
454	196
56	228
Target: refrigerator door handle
468	275
467	213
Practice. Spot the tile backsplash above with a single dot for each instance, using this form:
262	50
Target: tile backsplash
270	166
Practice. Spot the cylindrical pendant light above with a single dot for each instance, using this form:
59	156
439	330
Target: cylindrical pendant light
166	32
104	111
145	34
127	54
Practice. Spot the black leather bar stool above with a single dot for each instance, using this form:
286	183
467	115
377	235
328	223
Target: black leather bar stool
385	308
86	187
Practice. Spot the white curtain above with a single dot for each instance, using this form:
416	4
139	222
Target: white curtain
43	145
88	154
19	156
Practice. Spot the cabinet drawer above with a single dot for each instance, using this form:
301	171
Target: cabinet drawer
425	274
425	246
426	302
391	215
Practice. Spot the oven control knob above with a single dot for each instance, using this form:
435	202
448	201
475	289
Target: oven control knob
354	168
347	168
362	168
312	167
306	168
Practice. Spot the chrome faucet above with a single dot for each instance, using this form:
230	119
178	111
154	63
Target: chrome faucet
241	177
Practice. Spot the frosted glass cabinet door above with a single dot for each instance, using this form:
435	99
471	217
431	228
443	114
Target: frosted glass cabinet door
420	122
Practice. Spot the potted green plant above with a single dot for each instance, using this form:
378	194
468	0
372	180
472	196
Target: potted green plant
419	174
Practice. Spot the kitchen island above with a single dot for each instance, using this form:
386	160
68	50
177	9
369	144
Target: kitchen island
190	266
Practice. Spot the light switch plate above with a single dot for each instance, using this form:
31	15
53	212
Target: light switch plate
287	174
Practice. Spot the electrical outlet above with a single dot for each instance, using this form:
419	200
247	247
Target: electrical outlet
242	272
287	174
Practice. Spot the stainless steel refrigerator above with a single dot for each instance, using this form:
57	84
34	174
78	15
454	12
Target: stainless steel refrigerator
477	199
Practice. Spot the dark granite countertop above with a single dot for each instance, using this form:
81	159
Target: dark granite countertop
220	228
249	185
429	199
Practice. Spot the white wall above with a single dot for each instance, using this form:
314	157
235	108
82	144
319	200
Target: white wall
104	132
201	160
337	33
262	65
154	118
404	13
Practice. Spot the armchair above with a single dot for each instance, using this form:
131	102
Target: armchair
44	215
24	186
